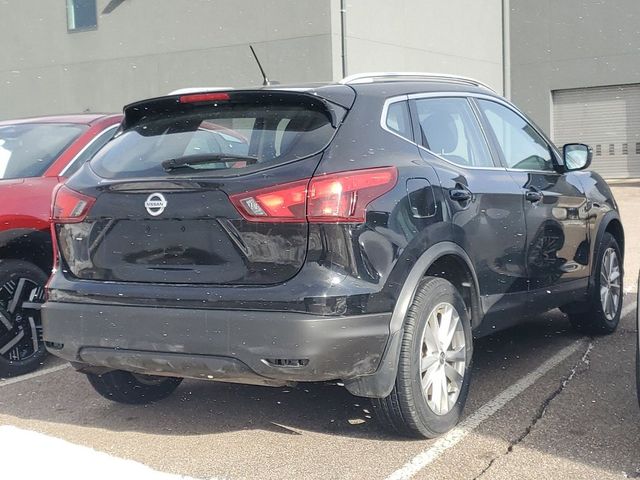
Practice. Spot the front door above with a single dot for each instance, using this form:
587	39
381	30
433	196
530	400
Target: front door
555	207
483	203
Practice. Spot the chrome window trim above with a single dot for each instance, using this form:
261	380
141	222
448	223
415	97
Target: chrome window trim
401	98
86	147
492	98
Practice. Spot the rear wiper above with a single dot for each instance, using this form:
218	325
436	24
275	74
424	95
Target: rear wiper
204	158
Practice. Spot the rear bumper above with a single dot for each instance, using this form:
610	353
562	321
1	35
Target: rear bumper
255	347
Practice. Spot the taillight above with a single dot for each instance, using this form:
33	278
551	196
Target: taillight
204	97
56	251
344	196
338	197
281	203
70	206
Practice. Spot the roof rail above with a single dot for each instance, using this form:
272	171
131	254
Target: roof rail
371	77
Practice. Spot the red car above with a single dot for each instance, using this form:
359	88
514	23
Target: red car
35	155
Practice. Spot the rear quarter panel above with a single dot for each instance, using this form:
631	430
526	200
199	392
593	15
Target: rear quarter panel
26	203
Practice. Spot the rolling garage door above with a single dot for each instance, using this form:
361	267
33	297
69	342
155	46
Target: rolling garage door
607	119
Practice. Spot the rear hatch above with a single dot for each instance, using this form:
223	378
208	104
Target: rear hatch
157	204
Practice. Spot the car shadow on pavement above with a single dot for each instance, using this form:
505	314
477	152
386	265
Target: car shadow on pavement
199	407
596	412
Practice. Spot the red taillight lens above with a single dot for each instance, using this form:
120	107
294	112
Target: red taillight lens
54	245
70	206
344	196
281	203
204	97
339	197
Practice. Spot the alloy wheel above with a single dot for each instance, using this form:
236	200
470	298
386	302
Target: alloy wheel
443	358
20	324
610	281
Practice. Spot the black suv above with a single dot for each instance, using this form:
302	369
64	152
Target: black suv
363	231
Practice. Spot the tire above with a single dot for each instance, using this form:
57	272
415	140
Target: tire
638	340
21	288
599	316
407	410
638	368
134	389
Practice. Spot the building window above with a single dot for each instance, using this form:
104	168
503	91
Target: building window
612	149
637	148
625	149
598	150
82	15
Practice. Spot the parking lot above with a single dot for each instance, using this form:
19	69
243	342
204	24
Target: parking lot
544	402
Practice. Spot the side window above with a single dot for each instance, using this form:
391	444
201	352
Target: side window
522	147
93	148
398	119
450	128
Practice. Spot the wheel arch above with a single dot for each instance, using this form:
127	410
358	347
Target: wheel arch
445	260
30	245
614	227
611	224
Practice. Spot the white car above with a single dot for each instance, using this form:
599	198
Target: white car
638	344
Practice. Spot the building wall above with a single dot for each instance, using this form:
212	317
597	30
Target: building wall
146	48
570	44
149	47
462	37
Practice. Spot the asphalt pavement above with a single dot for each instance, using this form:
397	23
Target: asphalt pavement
544	402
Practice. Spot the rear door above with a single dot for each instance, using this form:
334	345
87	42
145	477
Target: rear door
164	209
484	203
556	209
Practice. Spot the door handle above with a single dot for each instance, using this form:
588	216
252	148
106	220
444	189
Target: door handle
460	195
533	196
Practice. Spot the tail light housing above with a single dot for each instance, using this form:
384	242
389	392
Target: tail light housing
335	198
69	206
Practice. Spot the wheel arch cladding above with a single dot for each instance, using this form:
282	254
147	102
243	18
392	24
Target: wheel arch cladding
446	260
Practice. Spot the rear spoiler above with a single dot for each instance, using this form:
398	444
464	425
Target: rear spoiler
326	99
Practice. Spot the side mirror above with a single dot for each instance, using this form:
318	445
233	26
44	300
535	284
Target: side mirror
577	156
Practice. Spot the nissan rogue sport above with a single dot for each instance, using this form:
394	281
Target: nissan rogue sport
363	231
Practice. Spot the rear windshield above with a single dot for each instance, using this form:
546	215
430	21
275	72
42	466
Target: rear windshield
216	139
28	149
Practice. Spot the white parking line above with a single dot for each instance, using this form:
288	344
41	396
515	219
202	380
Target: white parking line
58	458
472	422
467	426
79	461
29	376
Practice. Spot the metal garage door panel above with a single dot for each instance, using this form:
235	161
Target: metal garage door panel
608	119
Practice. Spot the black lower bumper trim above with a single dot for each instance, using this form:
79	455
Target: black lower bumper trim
203	367
171	341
